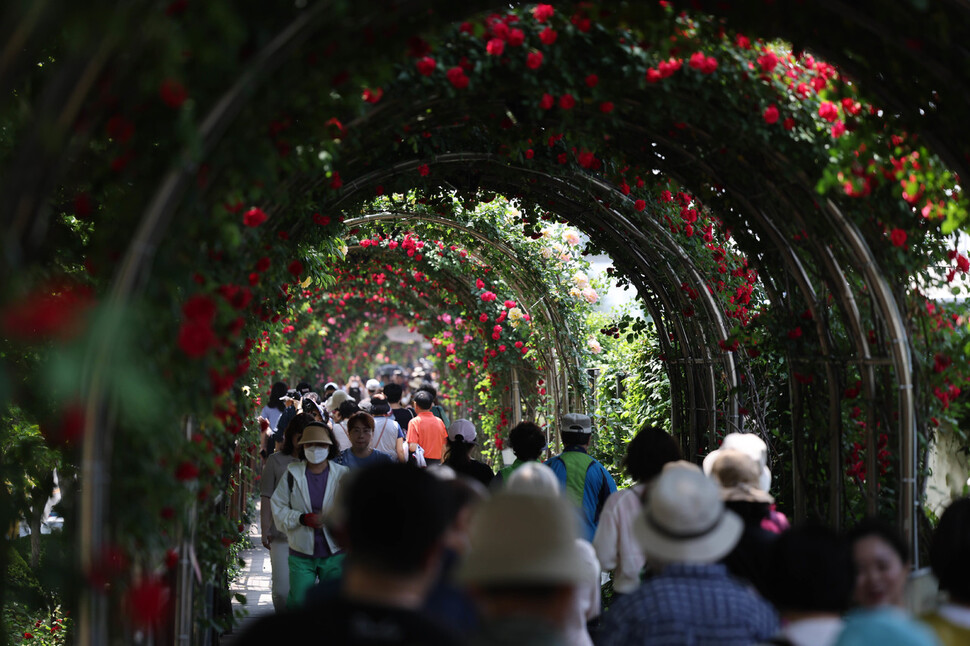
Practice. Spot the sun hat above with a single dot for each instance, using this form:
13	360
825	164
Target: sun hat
738	476
576	423
462	428
750	444
522	539
684	520
372	384
534	478
336	399
315	432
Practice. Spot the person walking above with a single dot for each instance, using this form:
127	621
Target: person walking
460	442
585	481
528	442
426	430
273	538
360	428
301	500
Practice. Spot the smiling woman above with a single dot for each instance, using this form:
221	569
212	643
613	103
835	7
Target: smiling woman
225	191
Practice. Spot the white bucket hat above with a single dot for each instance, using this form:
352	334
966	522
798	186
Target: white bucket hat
750	444
522	539
684	520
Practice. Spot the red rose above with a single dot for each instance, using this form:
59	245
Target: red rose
963	263
586	159
838	129
640	205
788	123
771	114
148	600
710	64
456	76
529	154
547	101
828	111
696	60
495	47
767	61
372	96
254	217
795	334
543	12
295	268
581	22
173	93
653	75
425	65
548	36
196	338
322	220
567	102
335	181
119	128
898	237
515	38
534	60
743	42
186	471
423	170
592	80
606	107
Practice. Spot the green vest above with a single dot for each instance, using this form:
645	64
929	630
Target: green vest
576	463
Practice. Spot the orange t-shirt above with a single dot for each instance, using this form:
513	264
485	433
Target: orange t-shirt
429	433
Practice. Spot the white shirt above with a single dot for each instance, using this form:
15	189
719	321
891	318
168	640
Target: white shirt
386	432
615	543
820	631
271	414
340	432
587	598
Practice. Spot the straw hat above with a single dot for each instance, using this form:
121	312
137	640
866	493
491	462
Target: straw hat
738	476
750	444
315	432
684	520
522	539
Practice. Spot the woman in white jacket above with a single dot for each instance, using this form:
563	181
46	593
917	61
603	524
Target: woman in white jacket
305	495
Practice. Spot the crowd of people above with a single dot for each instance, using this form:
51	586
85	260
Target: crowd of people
384	528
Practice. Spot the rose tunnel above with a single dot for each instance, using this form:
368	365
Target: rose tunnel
188	185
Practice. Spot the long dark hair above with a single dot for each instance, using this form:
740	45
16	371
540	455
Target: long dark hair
294	428
458	451
279	389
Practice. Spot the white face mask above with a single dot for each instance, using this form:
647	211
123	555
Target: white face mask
315	454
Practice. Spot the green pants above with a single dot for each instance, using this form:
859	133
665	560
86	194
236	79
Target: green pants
304	572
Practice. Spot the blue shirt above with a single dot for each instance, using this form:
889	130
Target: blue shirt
597	487
351	461
690	605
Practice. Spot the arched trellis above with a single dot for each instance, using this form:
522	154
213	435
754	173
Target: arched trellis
96	414
525	288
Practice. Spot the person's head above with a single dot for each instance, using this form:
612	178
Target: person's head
292	397
881	562
398	378
738	476
810	571
317	443
423	400
354	393
648	452
303	387
684	520
527	441
751	445
523	556
464	496
534	478
329	388
336	399
950	551
576	429
461	440
431	390
276	394
346	410
379	406
312	409
373	387
393	392
293	432
393	500
360	430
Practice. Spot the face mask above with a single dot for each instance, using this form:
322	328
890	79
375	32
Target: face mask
315	455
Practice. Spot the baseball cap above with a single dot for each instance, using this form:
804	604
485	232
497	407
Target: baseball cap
462	428
576	423
373	384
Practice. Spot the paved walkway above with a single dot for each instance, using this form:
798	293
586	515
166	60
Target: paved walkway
253	583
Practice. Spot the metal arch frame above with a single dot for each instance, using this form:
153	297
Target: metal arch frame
628	229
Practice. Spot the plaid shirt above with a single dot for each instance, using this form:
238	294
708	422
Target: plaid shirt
690	605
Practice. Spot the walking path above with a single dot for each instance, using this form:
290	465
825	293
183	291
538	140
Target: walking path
253	583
